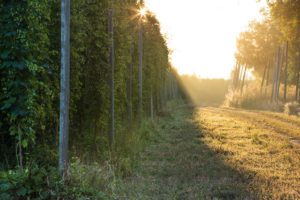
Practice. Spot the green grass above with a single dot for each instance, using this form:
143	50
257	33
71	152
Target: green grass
180	165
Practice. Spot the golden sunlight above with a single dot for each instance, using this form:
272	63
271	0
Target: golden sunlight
142	12
202	34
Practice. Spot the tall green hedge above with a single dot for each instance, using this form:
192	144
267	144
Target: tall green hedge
29	75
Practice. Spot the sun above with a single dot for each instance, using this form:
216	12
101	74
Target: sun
140	13
143	12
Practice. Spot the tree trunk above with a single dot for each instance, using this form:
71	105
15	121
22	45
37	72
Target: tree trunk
297	87
280	64
243	80
274	84
297	80
285	70
263	79
267	78
237	76
234	75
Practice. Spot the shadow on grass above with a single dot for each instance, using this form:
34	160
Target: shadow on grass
179	165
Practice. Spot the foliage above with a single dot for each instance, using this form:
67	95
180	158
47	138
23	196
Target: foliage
42	183
96	180
24	65
129	146
270	49
251	98
29	91
256	46
29	69
291	108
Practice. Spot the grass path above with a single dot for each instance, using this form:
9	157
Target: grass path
214	153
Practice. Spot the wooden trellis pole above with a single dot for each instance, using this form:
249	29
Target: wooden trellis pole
64	88
140	71
112	76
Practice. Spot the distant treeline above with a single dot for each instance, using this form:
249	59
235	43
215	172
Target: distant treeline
271	49
205	91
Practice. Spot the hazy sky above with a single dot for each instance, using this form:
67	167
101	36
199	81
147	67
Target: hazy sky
202	33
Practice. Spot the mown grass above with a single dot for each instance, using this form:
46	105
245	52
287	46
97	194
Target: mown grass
280	122
181	165
268	162
211	154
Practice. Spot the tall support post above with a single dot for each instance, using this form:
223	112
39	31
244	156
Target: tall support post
129	86
140	108
151	95
112	76
161	91
151	105
64	88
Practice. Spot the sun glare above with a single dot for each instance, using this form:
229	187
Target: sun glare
142	12
202	34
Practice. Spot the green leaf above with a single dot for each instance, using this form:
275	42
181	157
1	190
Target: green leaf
22	191
4	54
18	112
5	196
8	103
14	64
24	143
4	187
12	33
6	64
19	65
